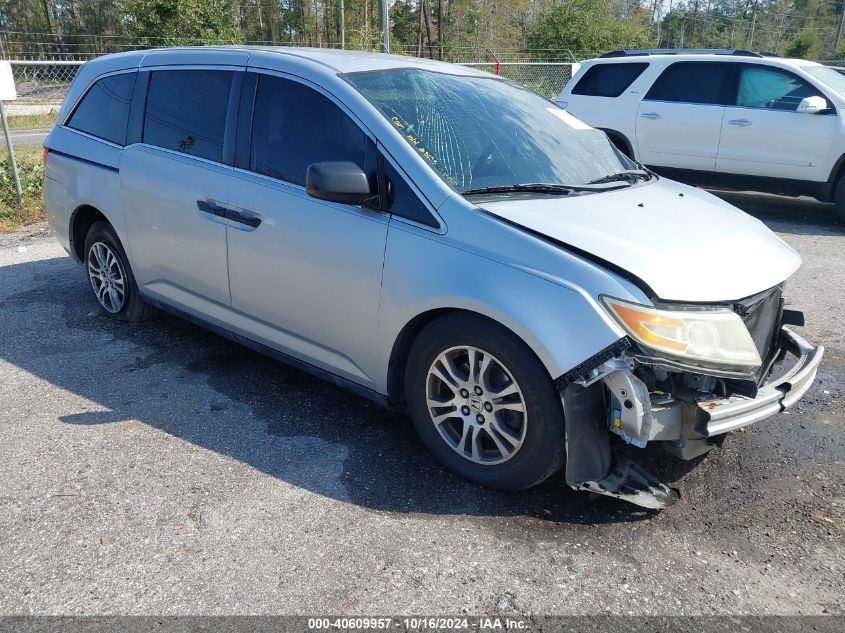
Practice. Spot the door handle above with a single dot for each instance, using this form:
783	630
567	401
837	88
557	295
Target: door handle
244	217
740	122
241	217
650	115
207	206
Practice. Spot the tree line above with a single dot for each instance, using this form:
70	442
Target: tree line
456	30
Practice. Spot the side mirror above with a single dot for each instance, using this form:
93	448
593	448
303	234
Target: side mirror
338	181
813	105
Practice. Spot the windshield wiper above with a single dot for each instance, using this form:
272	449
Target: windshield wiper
529	187
630	175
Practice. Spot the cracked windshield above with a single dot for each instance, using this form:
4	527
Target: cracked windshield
479	133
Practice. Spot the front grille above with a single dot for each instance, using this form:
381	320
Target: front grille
762	315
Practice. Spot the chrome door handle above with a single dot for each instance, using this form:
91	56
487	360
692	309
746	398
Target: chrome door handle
740	122
650	115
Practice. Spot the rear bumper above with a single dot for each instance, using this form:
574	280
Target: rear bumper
722	415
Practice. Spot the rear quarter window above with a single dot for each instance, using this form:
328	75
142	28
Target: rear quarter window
608	80
104	110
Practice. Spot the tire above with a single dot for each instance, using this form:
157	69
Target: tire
535	436
621	144
108	270
839	199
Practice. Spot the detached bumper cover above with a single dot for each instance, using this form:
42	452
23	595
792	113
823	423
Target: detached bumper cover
683	425
723	415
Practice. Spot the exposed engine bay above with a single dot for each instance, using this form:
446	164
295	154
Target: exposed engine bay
643	399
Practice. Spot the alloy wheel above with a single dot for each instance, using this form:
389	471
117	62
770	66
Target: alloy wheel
107	277
476	405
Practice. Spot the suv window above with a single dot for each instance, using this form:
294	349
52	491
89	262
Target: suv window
104	110
694	82
294	126
772	88
186	111
608	80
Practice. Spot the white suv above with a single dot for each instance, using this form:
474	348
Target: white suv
734	119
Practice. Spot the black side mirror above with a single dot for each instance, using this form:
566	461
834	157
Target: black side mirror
338	181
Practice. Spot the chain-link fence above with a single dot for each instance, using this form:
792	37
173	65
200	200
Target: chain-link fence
31	174
547	78
41	87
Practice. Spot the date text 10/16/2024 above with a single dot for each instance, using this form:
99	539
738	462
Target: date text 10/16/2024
417	623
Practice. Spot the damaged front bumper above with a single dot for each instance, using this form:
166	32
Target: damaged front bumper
722	415
643	401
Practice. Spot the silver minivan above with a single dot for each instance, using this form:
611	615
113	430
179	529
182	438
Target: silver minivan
435	238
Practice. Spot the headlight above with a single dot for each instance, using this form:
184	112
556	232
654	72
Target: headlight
713	336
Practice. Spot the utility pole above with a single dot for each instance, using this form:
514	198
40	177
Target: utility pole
342	25
384	25
47	18
656	18
839	28
753	22
317	24
440	28
419	28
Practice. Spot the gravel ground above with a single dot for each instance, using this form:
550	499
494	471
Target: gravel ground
159	469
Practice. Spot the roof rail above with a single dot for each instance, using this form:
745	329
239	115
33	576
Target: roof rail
685	51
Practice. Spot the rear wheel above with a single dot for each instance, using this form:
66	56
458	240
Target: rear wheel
111	276
484	404
839	199
621	144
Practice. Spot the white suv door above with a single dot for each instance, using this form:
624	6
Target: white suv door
680	119
765	135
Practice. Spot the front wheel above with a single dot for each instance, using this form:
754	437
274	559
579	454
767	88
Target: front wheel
483	403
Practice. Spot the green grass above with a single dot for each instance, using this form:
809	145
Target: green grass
12	216
32	121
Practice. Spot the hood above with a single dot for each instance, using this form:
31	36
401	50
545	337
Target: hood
685	243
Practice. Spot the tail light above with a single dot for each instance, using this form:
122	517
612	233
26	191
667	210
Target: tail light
45	151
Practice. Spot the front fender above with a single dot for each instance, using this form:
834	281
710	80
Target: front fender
424	272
